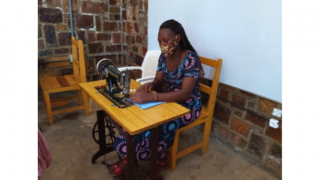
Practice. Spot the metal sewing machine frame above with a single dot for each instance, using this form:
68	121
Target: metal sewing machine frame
118	94
103	132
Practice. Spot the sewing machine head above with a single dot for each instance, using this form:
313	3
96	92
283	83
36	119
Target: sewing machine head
106	68
118	94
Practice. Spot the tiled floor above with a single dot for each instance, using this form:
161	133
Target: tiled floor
72	146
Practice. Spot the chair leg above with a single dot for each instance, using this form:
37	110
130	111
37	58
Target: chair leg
206	134
44	102
48	106
173	152
80	100
86	102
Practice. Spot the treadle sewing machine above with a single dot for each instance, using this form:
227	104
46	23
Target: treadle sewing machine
116	93
117	90
132	119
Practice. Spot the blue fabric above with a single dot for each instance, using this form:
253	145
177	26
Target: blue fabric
147	104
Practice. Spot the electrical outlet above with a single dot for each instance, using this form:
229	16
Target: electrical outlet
274	123
277	112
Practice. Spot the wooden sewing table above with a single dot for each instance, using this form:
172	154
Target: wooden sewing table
134	120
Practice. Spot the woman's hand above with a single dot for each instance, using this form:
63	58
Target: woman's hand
141	97
146	88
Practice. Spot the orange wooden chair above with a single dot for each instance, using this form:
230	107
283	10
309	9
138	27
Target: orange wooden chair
56	84
204	118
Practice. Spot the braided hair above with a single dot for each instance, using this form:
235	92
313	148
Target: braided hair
184	43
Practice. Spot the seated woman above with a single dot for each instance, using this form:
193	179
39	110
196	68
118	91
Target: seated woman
180	68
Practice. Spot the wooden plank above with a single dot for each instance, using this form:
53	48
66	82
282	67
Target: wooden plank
86	102
74	42
204	110
140	115
190	149
62	81
205	88
70	79
80	99
61	89
98	83
58	64
67	110
46	97
76	78
45	84
82	66
64	98
167	111
59	103
76	62
178	107
54	82
57	58
208	62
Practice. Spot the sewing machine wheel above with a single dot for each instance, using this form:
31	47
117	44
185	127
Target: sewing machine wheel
110	134
101	64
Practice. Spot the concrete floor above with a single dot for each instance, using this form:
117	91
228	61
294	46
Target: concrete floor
72	147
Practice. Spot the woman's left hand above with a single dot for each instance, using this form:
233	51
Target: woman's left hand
141	97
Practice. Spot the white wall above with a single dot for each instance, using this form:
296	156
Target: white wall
246	34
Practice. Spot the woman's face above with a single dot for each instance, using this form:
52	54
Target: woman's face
168	41
166	37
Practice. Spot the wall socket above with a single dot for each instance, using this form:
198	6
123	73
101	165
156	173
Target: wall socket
277	112
274	123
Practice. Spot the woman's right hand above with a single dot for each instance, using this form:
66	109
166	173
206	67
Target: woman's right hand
145	88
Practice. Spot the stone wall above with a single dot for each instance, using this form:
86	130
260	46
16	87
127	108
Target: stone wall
135	28
245	132
114	29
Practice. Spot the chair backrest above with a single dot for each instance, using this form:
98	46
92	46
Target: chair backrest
78	59
150	63
211	91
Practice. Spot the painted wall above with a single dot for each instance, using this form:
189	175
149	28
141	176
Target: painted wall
245	34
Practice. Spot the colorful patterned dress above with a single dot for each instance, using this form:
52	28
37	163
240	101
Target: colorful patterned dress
189	67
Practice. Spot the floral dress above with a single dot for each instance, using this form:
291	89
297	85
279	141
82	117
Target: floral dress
190	67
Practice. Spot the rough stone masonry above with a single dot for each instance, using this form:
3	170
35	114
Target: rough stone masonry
108	29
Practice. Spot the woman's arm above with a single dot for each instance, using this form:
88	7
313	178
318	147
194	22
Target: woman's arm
154	85
158	81
183	94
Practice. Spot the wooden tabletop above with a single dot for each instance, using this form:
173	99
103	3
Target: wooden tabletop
134	119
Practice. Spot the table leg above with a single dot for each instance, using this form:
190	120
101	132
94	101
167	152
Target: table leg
103	149
130	157
154	154
86	102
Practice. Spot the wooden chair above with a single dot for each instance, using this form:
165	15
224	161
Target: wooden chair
56	84
205	116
